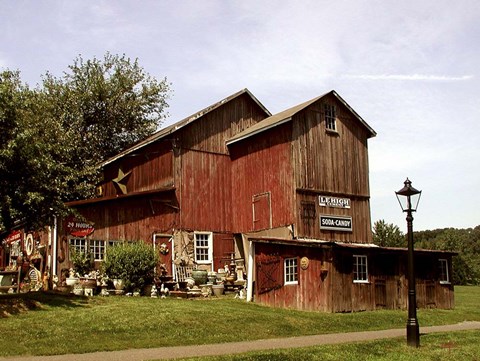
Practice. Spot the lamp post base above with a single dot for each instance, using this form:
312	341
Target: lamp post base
413	333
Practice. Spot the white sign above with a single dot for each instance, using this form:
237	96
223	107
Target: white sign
326	201
336	223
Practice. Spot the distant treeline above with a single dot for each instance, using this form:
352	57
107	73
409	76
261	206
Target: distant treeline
466	266
466	242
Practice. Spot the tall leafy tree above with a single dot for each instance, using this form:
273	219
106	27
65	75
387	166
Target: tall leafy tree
108	104
53	137
388	235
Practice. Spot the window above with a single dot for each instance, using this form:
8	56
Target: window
79	244
98	249
203	248
360	269
443	271
330	117
291	271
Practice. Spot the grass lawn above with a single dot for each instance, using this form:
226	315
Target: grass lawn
455	346
45	324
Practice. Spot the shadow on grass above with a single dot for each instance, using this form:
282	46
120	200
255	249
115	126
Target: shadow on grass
13	304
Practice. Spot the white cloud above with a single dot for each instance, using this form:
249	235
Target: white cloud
412	77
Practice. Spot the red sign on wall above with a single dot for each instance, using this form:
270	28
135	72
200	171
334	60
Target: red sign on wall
13	237
77	228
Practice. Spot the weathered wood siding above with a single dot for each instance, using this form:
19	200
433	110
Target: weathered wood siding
327	284
262	165
331	163
334	162
387	286
213	129
309	211
313	289
205	192
137	218
151	168
194	160
223	247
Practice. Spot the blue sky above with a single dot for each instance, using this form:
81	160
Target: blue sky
409	68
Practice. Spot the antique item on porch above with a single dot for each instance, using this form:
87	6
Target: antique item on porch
88	282
212	277
206	290
200	276
78	289
218	289
119	284
304	262
163	249
72	278
153	292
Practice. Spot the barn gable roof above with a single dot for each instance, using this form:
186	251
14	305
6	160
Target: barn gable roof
176	126
286	116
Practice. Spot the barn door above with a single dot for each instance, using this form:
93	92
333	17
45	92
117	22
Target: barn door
269	272
262	211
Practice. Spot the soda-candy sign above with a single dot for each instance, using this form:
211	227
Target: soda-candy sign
78	228
336	223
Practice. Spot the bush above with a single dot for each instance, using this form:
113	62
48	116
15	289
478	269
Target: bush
82	261
132	262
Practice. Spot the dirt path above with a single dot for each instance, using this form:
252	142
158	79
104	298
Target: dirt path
168	353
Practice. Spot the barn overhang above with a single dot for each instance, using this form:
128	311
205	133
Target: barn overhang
95	201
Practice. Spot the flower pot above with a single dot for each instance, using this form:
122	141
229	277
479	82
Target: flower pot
119	284
200	276
88	282
218	290
70	281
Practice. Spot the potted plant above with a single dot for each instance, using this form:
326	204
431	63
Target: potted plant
82	261
83	268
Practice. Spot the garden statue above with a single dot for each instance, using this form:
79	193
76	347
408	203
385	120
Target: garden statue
154	293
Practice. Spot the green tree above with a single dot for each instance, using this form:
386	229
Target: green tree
465	242
37	174
53	137
388	235
107	104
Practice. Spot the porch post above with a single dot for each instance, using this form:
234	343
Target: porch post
251	250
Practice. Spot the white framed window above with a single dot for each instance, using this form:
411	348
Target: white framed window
97	248
112	243
360	269
79	244
330	117
203	247
290	271
443	275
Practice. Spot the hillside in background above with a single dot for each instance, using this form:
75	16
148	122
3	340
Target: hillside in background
466	266
466	242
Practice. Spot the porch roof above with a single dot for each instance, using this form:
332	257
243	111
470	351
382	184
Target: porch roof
307	242
89	201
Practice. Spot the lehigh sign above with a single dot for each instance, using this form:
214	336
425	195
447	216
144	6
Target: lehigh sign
326	201
336	223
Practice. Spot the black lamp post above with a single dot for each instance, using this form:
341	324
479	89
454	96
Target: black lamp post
408	197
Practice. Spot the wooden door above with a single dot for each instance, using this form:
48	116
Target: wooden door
262	211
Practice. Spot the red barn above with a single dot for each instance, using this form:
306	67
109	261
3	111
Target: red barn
286	194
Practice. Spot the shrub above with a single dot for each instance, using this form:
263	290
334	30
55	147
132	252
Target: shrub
132	262
82	261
